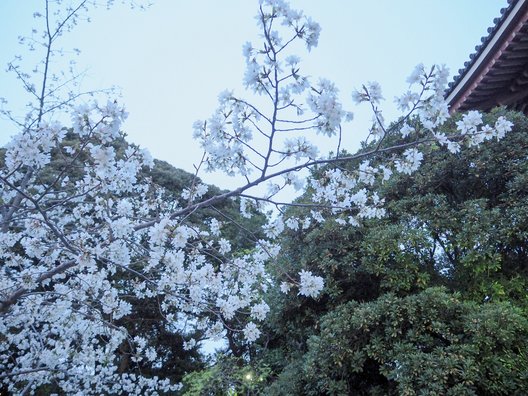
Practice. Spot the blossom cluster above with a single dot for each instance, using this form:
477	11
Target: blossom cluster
73	239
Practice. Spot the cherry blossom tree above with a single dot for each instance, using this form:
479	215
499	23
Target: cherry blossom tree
82	231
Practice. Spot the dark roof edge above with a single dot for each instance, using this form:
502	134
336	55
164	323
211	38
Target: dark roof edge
485	54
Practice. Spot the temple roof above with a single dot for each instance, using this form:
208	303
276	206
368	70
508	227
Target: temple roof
497	72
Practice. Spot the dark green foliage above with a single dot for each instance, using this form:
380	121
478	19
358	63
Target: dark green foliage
429	343
430	300
228	376
473	207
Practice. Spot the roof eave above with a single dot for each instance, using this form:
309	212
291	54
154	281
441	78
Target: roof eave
488	55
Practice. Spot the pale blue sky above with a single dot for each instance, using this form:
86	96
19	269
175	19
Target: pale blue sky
172	60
